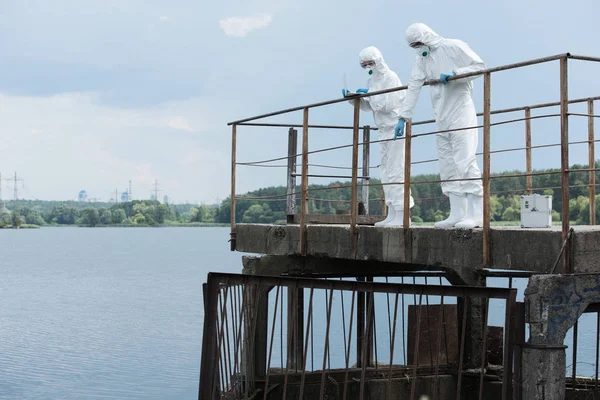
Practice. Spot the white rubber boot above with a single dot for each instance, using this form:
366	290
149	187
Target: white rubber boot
458	211
390	216
474	217
398	220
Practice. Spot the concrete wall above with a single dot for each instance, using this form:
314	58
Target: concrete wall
511	247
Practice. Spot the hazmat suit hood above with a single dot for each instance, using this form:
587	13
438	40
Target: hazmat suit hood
422	33
372	53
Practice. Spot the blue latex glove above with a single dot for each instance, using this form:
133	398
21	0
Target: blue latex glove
399	130
362	90
345	92
444	77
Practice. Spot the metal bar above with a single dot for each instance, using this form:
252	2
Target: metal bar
297	324
509	334
239	334
360	323
592	163
406	200
528	150
484	347
519	341
354	192
564	159
428	83
206	390
393	342
365	350
291	174
416	353
304	198
220	335
333	176
367	287
305	356
271	342
221	374
403	331
347	351
365	167
463	333
590	115
486	168
371	336
575	340
326	349
583	58
290	337
227	347
425	122
233	165
441	331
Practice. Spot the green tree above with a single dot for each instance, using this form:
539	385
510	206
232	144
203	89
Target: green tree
105	217
90	217
118	216
17	221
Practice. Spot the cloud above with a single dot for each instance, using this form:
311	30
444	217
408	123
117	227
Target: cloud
98	147
180	123
241	26
164	18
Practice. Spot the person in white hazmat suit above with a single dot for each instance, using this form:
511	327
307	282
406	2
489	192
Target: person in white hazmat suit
453	108
385	109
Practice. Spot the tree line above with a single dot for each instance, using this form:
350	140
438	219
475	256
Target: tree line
430	204
131	213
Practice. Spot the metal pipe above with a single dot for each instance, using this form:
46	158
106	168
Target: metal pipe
333	176
583	58
424	122
428	83
365	167
304	198
406	200
232	238
486	167
564	140
528	149
354	191
592	163
291	174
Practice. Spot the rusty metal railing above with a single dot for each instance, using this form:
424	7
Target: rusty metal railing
282	338
292	192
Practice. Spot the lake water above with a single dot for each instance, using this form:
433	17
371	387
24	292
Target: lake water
116	313
105	313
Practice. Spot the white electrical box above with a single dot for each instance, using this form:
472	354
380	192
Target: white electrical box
536	211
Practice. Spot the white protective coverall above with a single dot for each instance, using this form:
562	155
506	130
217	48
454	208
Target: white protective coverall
385	108
453	108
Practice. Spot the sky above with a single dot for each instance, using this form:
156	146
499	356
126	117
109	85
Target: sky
96	93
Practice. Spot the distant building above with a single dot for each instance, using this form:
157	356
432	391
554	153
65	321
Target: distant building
82	196
125	197
166	199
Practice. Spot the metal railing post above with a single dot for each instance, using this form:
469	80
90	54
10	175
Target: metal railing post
365	167
232	238
291	174
528	151
354	193
304	198
486	167
407	161
564	152
592	162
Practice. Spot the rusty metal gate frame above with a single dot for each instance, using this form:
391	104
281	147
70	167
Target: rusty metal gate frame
214	322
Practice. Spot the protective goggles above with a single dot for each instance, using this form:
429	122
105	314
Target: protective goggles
367	64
